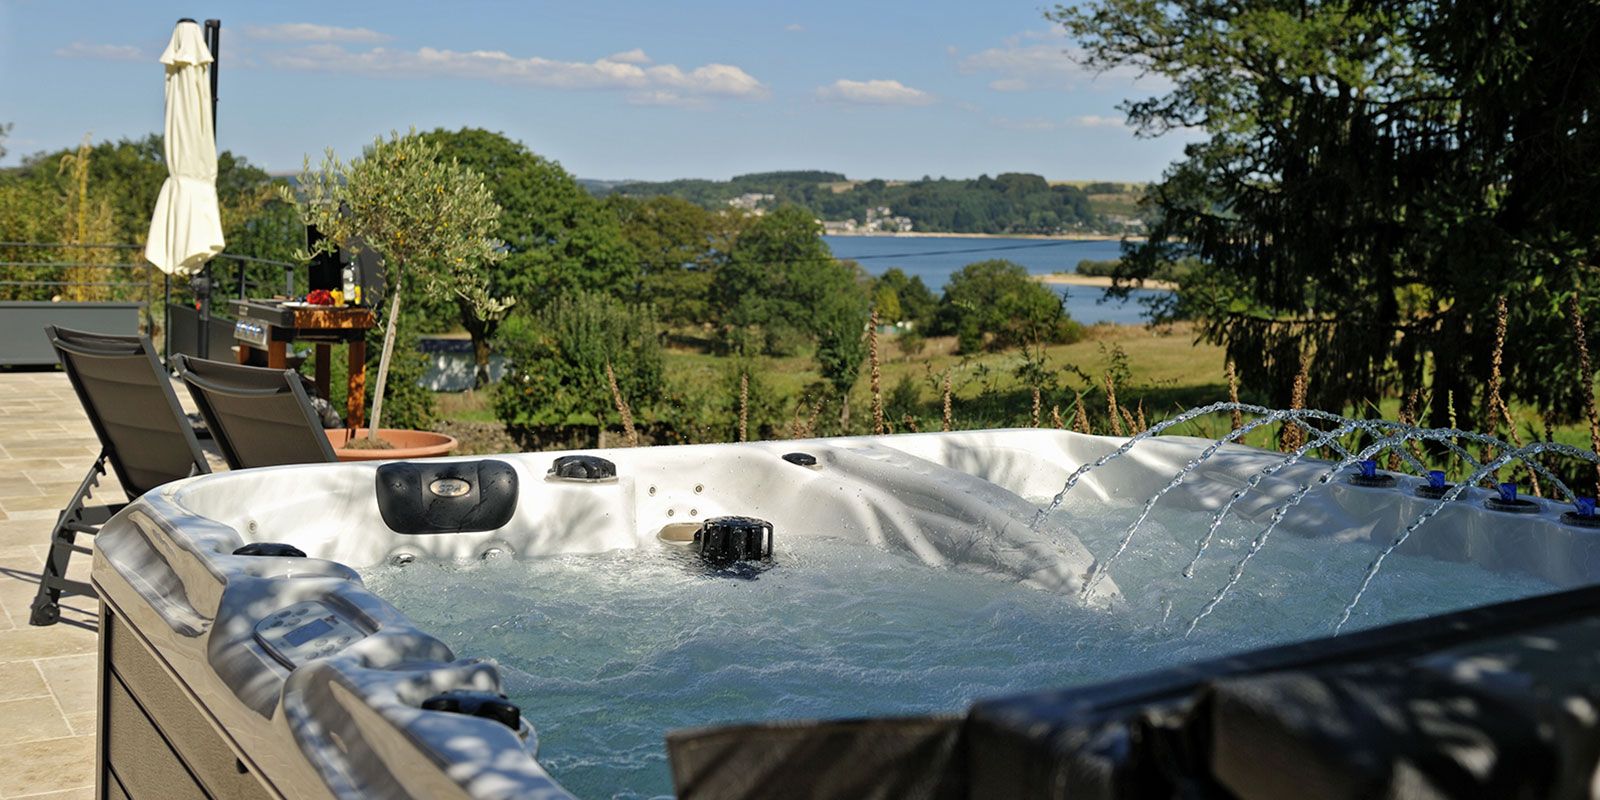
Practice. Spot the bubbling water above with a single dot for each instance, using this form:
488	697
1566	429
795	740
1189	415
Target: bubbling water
606	652
1385	436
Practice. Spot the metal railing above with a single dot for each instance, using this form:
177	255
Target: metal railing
90	287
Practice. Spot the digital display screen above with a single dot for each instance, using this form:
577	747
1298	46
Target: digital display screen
307	632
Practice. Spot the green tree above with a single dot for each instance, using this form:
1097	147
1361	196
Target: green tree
555	238
1374	176
556	370
420	213
917	303
887	303
124	178
840	324
778	277
998	299
680	247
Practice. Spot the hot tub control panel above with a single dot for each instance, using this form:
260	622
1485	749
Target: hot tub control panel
306	631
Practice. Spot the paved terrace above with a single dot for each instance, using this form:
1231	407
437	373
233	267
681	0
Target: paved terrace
47	675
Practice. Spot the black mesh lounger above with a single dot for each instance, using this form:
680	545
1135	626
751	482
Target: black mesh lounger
143	433
259	417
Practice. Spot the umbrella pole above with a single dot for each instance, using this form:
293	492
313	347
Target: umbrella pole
213	34
201	284
166	314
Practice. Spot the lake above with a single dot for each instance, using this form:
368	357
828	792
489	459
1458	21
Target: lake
936	258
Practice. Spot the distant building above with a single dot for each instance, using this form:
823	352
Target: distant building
749	201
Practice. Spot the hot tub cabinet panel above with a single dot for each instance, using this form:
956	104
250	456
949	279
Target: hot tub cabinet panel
243	657
159	743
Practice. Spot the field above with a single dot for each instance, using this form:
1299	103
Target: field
1160	374
1162	370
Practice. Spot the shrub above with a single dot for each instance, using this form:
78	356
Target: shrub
556	362
904	398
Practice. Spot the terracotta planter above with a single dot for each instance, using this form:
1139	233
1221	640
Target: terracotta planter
407	444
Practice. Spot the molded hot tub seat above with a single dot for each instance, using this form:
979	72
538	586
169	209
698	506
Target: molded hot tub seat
317	688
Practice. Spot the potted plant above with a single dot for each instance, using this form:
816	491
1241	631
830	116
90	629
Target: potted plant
429	220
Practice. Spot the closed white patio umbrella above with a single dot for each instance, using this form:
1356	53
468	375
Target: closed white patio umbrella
186	228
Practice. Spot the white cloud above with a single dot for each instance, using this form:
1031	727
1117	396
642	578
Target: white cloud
664	97
309	32
105	52
1085	121
1097	121
873	93
794	27
622	71
634	56
1054	64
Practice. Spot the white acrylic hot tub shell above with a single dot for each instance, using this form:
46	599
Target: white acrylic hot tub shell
350	724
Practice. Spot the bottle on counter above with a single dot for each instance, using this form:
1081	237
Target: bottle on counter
352	292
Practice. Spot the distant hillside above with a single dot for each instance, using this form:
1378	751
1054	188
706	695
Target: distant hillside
1011	202
599	187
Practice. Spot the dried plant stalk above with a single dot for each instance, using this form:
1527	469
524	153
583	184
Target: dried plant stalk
808	428
1549	435
1516	440
911	424
1495	400
878	426
1292	435
1492	402
1236	418
796	429
1080	417
744	406
1581	338
948	425
1111	406
1143	426
622	408
1035	407
1408	415
1132	428
1055	416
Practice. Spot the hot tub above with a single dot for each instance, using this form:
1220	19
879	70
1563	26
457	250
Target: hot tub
243	655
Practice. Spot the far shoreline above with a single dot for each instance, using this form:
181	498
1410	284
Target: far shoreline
1099	281
1065	237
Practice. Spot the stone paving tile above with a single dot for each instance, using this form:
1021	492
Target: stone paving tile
83	724
28	643
47	765
48	515
35	503
21	679
80	793
22	533
72	680
31	719
21	487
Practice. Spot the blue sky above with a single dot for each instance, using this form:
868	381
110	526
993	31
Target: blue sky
642	90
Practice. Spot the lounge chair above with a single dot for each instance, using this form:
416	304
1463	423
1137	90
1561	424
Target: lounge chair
259	417
143	433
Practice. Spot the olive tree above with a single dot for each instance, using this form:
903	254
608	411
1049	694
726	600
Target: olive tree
426	217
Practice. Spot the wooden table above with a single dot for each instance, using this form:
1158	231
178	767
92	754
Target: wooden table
269	326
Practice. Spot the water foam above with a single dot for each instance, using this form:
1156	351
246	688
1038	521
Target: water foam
606	652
